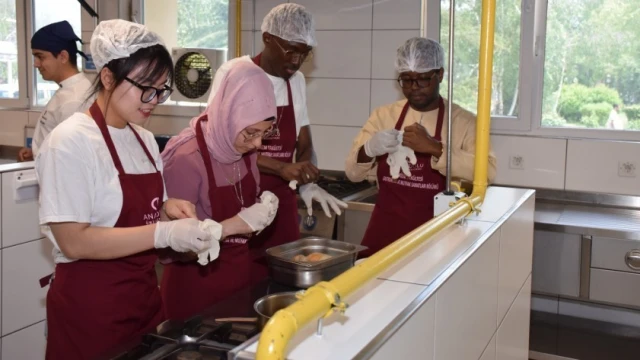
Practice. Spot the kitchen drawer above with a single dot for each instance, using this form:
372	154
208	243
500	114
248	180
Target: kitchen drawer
556	263
20	221
23	300
28	343
608	253
615	287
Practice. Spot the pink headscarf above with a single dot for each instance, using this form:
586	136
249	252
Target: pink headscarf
245	97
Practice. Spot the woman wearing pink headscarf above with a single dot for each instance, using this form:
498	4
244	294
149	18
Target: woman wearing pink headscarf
212	164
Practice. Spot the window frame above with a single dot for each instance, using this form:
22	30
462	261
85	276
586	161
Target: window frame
21	30
533	25
137	7
540	32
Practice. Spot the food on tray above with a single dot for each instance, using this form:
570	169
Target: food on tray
313	257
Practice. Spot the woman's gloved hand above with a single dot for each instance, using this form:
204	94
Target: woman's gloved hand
185	235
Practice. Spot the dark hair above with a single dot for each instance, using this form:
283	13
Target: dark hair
155	59
73	57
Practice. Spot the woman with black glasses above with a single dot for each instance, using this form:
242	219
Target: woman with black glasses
103	204
413	125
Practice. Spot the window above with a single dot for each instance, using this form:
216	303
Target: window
506	96
9	84
591	65
189	24
46	12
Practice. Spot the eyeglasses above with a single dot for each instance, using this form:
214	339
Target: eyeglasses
422	83
295	55
150	92
250	136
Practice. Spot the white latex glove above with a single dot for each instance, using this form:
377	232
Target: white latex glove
383	142
310	192
212	252
260	215
184	235
399	160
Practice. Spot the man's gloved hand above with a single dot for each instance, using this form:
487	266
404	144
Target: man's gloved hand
311	192
383	142
399	160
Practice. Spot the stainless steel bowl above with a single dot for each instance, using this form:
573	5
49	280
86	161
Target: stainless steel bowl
268	305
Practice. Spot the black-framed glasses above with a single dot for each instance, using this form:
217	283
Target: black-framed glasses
295	55
421	82
150	92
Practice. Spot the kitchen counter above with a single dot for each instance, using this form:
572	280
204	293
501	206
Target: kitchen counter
11	165
386	304
593	220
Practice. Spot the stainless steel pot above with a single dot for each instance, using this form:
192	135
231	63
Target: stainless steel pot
268	305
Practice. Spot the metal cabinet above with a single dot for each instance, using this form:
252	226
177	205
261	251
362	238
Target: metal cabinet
556	263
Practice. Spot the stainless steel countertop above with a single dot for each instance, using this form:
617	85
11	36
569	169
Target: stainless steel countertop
588	219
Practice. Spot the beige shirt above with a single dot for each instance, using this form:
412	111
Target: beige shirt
463	140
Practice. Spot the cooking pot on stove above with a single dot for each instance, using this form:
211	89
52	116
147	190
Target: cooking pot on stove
268	305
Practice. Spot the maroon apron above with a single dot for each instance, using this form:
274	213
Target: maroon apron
94	305
188	287
405	203
285	227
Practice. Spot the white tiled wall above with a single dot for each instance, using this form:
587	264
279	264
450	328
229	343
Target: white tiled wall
543	161
352	73
593	166
12	124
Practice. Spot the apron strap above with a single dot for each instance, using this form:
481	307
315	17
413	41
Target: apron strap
256	59
400	121
96	113
204	151
438	134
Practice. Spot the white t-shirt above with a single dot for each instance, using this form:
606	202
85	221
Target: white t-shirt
298	90
77	177
69	98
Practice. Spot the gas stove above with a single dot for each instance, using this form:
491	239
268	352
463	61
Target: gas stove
198	339
342	189
208	336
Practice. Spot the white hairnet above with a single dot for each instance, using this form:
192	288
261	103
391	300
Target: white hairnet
116	39
420	55
291	22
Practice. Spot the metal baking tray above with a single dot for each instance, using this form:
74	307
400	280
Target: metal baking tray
305	274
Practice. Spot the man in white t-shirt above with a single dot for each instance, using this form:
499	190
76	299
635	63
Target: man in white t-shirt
286	155
54	55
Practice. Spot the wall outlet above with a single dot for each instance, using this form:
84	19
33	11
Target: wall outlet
627	169
516	162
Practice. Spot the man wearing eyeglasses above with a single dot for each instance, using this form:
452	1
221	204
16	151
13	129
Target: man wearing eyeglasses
288	34
418	123
54	55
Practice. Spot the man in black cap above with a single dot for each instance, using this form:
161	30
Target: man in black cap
55	56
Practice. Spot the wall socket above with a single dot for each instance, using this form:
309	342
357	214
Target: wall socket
516	162
627	169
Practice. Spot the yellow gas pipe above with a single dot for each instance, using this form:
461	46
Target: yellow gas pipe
238	28
325	297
